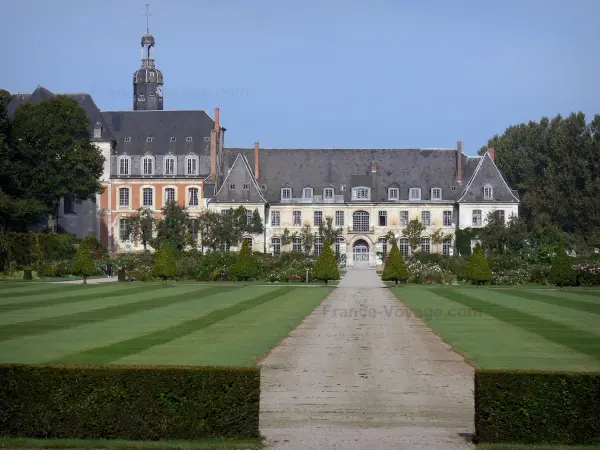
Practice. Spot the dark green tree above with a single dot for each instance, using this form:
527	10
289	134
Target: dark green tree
83	262
164	263
478	269
494	234
140	226
395	268
326	267
209	224
561	272
413	232
173	228
246	266
52	156
256	224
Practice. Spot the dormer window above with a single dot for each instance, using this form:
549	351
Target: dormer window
147	165
414	194
124	163
128	139
436	194
488	193
328	194
286	194
188	139
393	194
343	187
361	193
169	165
173	139
191	164
97	131
149	139
307	194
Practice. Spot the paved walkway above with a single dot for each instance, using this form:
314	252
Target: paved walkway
380	380
90	280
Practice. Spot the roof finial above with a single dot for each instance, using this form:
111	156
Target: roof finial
147	16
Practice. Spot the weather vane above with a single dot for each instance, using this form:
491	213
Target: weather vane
147	16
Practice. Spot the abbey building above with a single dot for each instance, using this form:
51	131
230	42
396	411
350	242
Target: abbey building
153	156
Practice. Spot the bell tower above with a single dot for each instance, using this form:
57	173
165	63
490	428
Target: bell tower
147	80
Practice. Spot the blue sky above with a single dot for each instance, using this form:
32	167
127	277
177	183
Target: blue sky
321	73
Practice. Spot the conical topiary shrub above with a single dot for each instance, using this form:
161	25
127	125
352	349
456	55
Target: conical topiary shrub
478	270
395	268
246	267
326	267
83	262
164	263
561	272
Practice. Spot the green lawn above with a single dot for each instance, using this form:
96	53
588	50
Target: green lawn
148	323
522	328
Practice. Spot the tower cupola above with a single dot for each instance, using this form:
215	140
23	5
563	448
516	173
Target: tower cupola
148	80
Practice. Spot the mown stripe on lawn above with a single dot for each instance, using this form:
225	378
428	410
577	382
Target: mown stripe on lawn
20	329
106	354
591	293
46	290
80	298
563	302
578	340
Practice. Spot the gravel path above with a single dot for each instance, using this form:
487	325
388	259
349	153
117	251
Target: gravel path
349	380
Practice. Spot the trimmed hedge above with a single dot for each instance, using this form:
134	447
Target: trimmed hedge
128	402
535	407
54	246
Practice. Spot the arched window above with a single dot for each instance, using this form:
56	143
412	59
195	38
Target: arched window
124	165
169	195
276	244
403	246
384	248
446	246
361	193
193	196
360	221
148	165
425	245
191	165
318	245
170	165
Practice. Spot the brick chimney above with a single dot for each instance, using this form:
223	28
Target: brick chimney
214	135
492	153
459	169
256	160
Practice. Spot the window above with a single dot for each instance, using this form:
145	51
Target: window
426	218
297	218
97	132
361	193
425	245
169	166
403	246
245	187
249	241
342	187
307	193
147	197
297	244
328	194
123	196
169	195
488	193
149	139
128	139
276	244
123	230
360	221
447	218
499	215
124	164
173	139
414	194
477	218
249	216
318	245
446	246
193	196
318	218
191	165
393	194
384	248
275	218
339	218
383	218
436	194
188	139
453	188
403	218
224	212
68	206
206	139
263	187
147	165
286	194
225	247
232	187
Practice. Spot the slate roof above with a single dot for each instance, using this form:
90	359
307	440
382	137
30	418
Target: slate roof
402	168
161	125
83	99
239	184
487	174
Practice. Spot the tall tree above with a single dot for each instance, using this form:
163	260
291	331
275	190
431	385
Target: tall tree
328	232
209	224
413	232
173	227
52	156
140	226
